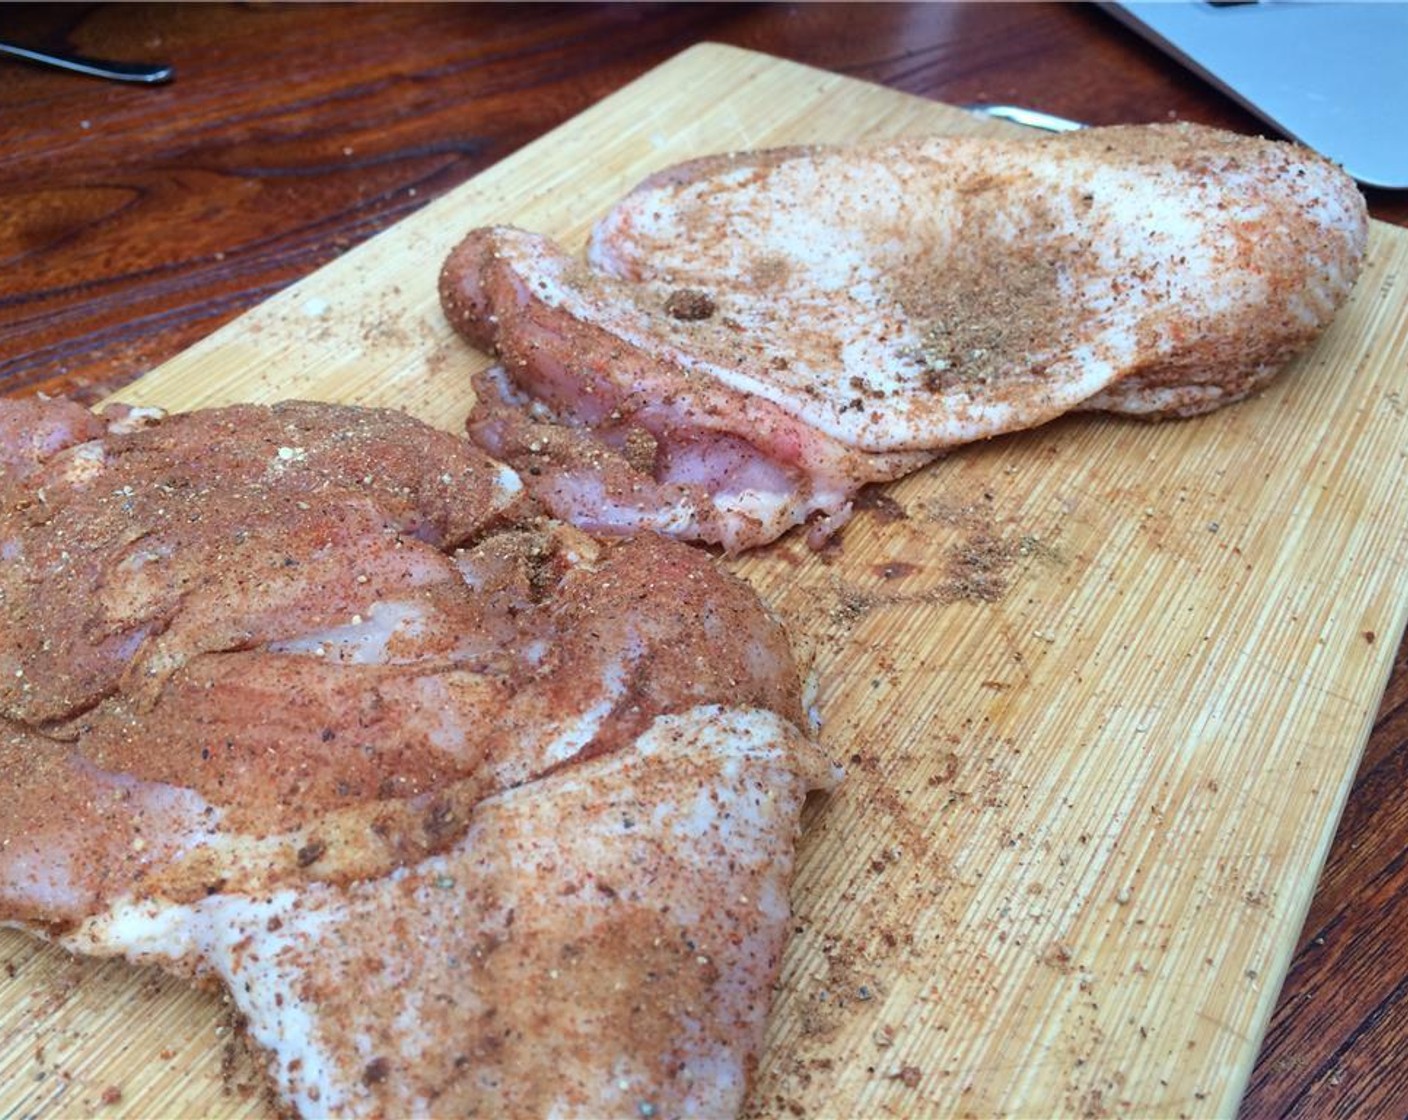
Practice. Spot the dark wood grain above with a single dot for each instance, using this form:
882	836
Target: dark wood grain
133	221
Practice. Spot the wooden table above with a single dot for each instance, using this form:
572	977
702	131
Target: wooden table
134	221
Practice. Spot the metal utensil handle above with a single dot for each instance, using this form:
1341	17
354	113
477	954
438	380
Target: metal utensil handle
1018	114
144	72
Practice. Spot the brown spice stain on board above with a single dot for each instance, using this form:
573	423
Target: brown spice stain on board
971	516
883	508
944	553
909	1076
977	569
896	569
849	984
240	1060
949	767
845	1000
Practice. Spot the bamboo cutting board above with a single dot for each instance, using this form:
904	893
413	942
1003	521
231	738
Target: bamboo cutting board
1100	689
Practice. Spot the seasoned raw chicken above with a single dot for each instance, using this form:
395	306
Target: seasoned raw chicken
471	814
774	329
615	438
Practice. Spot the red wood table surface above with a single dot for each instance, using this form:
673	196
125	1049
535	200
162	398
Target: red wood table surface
135	220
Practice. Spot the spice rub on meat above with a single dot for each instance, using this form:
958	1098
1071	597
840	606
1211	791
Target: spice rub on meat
470	812
752	337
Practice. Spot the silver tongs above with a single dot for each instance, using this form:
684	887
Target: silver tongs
145	73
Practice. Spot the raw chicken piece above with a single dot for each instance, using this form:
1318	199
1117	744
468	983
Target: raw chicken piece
618	436
222	530
834	316
1182	266
306	699
32	430
600	942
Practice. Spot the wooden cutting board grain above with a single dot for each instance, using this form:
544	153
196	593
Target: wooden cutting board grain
1100	689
